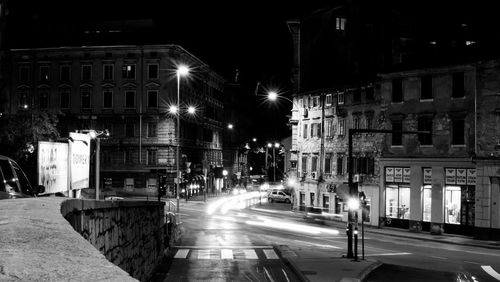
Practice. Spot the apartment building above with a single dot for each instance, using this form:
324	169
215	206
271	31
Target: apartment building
446	181
127	90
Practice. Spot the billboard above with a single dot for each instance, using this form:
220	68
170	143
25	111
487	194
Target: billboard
53	166
79	160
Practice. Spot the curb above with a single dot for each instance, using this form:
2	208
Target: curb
291	264
369	270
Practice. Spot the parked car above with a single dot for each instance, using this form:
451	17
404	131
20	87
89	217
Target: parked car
13	181
276	195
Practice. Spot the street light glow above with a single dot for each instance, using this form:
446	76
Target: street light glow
182	70
191	110
173	109
272	96
269	145
254	139
230	126
353	204
276	145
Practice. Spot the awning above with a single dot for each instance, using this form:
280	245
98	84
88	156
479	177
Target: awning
198	177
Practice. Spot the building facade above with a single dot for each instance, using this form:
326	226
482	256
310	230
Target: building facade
127	90
446	181
320	124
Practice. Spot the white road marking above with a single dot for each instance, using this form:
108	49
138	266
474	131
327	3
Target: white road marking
182	253
226	254
318	245
481	253
491	271
389	254
250	254
225	247
438	257
203	254
270	254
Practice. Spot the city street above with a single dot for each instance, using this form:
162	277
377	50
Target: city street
226	240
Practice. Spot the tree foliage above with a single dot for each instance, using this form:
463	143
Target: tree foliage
19	134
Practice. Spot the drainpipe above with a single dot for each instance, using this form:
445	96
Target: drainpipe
322	146
140	105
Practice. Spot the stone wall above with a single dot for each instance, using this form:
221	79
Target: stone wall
129	234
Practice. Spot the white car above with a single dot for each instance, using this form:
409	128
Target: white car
278	196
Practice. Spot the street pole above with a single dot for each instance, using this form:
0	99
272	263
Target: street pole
274	164
97	167
178	140
363	229
353	190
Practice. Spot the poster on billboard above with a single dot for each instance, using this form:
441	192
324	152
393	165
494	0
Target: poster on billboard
79	160
53	166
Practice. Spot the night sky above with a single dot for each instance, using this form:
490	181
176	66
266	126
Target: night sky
251	36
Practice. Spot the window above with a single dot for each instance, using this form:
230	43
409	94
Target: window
107	99
314	163
397	138
305	131
304	164
326	202
152	157
152	98
340	165
426	88
342	127
458	132
328	163
340	98
426	210
24	74
397	90
127	158
44	73
397	201
370	93
44	100
311	199
340	23
301	103
328	100
65	73
356	122
328	128
315	130
128	71
108	71
453	204
152	129
153	71
85	99
425	124
129	99
129	130
369	122
65	95
315	101
458	85
356	96
86	72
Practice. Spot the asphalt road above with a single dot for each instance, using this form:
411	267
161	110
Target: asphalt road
231	242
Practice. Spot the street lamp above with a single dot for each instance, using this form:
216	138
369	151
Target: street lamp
97	135
274	146
182	70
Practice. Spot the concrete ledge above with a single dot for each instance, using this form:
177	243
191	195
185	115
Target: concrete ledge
38	244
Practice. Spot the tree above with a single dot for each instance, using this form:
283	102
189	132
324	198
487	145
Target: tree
19	136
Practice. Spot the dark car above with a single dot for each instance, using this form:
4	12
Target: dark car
13	181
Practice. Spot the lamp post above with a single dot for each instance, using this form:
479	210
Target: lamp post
181	71
274	146
97	136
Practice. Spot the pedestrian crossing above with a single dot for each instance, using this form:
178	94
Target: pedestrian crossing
226	254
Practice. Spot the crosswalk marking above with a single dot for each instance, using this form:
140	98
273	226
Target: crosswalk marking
204	254
270	254
250	254
182	253
229	254
226	254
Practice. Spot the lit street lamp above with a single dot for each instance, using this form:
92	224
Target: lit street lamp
276	145
93	134
182	70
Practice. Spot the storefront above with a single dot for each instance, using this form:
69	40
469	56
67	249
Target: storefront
459	199
397	196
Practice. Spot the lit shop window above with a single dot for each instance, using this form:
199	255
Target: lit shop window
397	201
427	203
453	204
